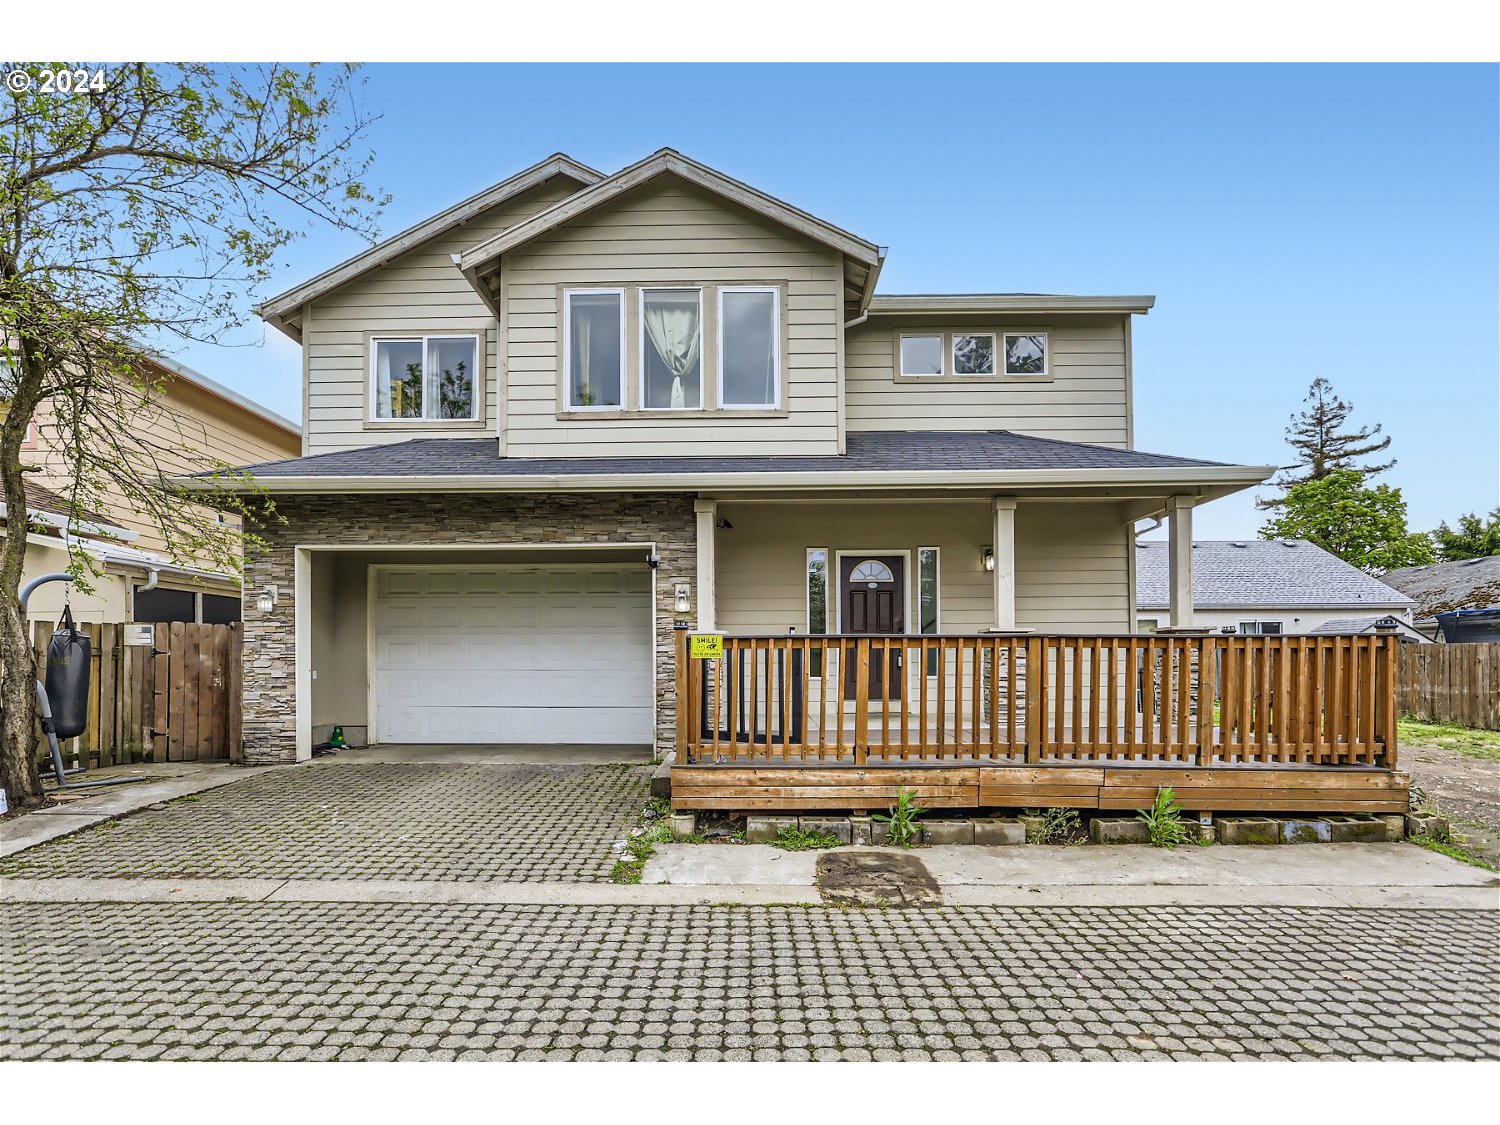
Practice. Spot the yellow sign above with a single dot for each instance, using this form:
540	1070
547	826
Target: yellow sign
706	646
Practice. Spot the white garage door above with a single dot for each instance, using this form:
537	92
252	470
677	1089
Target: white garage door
511	654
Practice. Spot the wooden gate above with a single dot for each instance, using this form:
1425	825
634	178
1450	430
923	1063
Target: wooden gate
176	699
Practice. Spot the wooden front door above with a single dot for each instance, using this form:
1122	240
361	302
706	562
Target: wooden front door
872	601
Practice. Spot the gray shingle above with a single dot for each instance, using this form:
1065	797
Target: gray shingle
867	452
1256	573
1441	587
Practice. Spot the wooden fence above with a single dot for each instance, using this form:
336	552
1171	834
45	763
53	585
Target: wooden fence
174	700
1457	684
1326	700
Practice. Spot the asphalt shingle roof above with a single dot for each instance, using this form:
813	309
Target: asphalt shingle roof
1441	587
1254	573
866	452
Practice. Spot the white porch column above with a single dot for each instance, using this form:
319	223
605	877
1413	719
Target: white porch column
1180	561
707	514
302	647
1004	548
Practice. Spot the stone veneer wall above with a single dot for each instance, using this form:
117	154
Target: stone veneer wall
443	519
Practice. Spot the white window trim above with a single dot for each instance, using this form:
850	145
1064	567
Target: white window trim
424	420
568	295
1259	625
724	403
1003	365
995	357
942	355
644	343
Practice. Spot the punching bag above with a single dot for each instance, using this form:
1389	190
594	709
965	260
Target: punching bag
68	678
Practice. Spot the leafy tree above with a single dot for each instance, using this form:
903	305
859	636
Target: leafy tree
1473	538
1363	525
1323	446
133	217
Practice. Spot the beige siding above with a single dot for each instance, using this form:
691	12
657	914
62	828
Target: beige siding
1086	400
421	291
181	429
668	234
1070	558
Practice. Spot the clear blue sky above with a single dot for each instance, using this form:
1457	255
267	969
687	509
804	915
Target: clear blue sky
1293	221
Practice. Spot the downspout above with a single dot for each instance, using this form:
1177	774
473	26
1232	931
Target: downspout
151	580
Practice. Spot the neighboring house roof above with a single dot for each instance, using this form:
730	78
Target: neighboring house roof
862	258
1382	624
39	498
1442	587
558	164
872	459
1261	574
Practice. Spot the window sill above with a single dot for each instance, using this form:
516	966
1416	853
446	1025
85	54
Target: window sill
974	378
720	413
423	424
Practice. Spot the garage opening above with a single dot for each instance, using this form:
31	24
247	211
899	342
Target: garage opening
483	648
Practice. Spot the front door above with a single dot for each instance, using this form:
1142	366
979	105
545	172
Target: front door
872	602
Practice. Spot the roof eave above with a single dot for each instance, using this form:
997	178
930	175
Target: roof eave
278	309
1212	478
961	304
659	163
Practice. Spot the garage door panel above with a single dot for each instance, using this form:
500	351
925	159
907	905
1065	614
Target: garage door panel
494	654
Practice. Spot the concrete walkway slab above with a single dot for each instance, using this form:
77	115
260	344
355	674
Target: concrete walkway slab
164	782
729	864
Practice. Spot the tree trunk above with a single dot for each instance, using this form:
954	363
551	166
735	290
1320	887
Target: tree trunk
18	773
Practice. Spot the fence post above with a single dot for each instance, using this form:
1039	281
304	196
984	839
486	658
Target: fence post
1207	658
1036	695
862	701
1385	697
680	682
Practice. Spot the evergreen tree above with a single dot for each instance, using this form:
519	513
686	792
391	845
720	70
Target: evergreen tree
1473	538
1323	446
1363	525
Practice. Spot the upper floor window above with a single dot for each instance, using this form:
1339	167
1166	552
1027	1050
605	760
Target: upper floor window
594	348
922	355
672	349
974	355
749	348
424	378
1026	353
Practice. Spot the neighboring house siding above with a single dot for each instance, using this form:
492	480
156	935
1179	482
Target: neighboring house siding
184	418
1071	562
670	235
1087	398
1294	619
420	291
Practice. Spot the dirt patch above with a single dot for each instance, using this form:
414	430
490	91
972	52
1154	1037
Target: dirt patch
1465	790
877	878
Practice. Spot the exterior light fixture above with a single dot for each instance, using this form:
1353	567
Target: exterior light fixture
266	603
988	554
683	602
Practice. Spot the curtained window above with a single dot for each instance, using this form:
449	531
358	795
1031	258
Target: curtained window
672	349
425	377
595	348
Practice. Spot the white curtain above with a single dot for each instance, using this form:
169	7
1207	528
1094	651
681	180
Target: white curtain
673	330
383	404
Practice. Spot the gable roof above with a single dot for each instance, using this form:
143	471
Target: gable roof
1443	587
1261	574
862	258
873	460
278	309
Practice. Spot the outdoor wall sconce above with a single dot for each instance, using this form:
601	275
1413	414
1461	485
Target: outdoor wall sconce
266	603
988	555
683	603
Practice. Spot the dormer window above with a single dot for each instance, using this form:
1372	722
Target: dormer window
424	378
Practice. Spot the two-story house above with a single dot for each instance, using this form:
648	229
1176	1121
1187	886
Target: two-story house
551	423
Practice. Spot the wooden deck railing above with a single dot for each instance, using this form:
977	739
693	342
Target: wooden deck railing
1202	700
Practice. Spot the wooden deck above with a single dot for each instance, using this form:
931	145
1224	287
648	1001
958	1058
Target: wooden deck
1233	724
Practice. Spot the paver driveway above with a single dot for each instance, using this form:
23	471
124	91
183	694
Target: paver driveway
342	820
349	981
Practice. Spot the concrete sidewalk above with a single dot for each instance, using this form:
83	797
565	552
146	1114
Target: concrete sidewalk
163	781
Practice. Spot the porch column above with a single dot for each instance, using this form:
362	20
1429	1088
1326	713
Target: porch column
1004	548
1180	561
706	513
